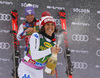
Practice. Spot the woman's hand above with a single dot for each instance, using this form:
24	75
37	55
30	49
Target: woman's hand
53	72
55	49
30	29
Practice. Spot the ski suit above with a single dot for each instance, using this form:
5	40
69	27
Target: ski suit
22	33
33	63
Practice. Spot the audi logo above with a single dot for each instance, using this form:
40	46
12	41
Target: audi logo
77	37
98	25
4	45
5	17
98	52
79	65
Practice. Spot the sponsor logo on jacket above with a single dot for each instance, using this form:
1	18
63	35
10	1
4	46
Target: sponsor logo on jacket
47	44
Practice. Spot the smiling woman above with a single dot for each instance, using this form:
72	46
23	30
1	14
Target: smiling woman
48	25
49	28
41	47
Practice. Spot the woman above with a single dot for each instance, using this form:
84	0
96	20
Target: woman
31	25
41	48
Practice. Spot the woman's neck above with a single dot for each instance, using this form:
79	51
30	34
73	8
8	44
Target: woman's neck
48	36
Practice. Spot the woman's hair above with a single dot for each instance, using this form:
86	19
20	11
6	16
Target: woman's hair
42	30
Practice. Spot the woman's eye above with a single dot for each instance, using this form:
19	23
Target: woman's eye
52	24
48	24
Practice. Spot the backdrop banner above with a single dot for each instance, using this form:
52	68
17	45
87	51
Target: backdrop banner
83	28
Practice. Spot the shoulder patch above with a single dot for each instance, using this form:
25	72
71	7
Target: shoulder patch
36	35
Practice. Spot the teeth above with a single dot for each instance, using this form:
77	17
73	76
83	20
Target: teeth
50	30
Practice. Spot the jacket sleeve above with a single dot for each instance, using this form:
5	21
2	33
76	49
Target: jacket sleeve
34	47
21	33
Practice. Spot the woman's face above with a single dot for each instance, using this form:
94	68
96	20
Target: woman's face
49	28
30	18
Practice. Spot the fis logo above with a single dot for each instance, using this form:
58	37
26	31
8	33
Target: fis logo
28	76
47	44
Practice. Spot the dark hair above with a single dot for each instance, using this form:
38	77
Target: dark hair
42	30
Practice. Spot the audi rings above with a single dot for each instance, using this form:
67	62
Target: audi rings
98	52
5	17
98	25
77	37
4	45
79	65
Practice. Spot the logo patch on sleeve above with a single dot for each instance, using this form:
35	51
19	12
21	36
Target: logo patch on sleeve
26	76
36	35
